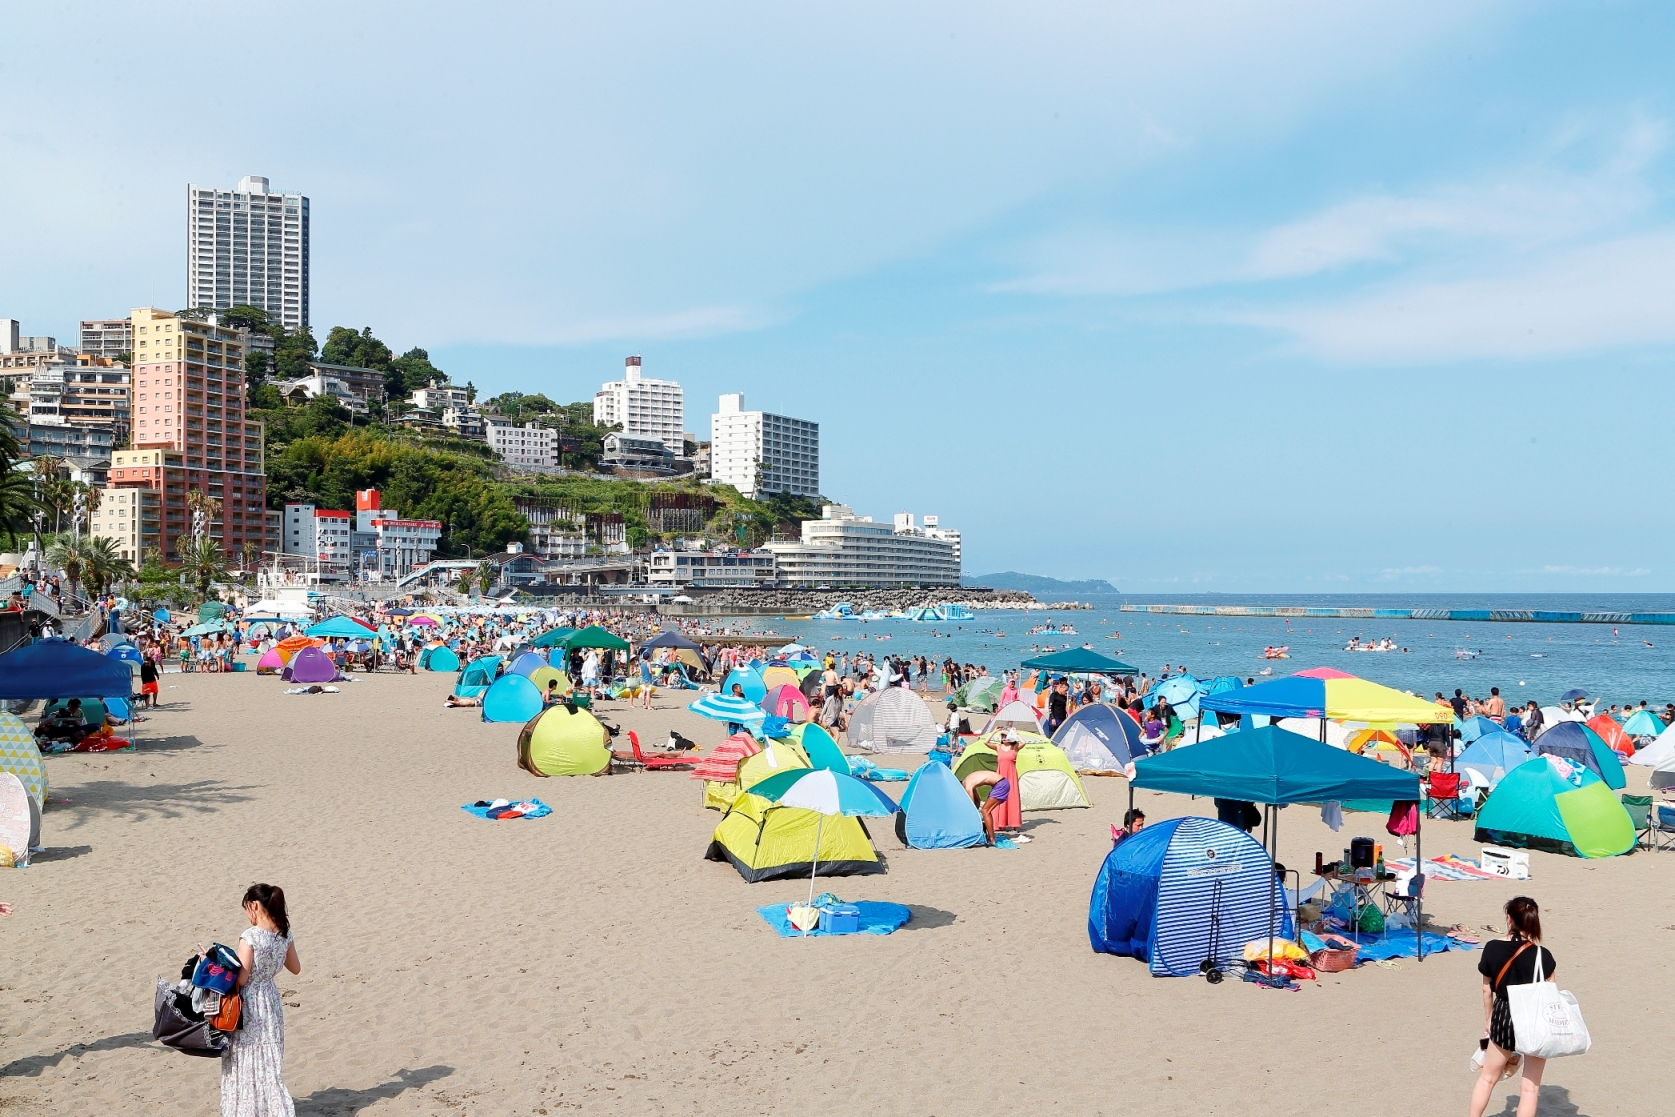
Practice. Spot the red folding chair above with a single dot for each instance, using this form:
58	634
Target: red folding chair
656	763
1443	790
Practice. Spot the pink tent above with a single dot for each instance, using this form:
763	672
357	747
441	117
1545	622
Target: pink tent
787	702
270	663
312	665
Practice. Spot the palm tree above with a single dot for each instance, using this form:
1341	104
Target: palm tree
202	561
205	510
251	554
105	565
18	503
51	490
72	556
486	576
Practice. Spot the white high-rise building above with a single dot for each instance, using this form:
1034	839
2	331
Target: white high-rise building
645	408
788	450
248	246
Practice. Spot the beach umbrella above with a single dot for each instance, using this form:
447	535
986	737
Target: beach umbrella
1574	695
1644	723
553	637
828	793
1493	755
338	626
398	612
984	692
791	649
1474	727
725	707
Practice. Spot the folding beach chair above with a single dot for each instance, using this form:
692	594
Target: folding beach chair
1406	902
1639	808
1443	788
654	763
1663	826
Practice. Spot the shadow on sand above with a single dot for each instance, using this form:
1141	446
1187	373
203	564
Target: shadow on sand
925	919
142	802
335	1100
1554	1102
31	1066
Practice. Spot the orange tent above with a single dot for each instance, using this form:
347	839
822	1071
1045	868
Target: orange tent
1612	734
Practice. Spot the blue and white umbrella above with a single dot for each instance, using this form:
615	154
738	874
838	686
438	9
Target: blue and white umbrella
726	707
827	792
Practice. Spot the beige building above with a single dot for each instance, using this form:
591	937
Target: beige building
131	518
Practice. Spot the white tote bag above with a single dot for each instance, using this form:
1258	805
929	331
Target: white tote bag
1546	1020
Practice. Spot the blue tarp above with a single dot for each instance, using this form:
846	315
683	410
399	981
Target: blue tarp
1182	891
511	698
936	813
1273	765
877	918
58	669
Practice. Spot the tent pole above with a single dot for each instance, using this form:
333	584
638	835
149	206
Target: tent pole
1419	871
1273	875
815	868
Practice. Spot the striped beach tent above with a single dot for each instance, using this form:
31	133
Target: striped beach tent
1185	891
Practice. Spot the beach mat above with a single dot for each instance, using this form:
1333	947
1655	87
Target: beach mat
541	810
877	918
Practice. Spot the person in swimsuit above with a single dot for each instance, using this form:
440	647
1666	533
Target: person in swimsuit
1000	794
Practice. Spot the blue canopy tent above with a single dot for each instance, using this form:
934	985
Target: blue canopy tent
936	813
1080	661
59	669
1154	899
339	627
1274	766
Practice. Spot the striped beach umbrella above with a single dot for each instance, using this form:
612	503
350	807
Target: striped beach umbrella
725	707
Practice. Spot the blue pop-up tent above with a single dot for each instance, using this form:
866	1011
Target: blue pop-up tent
511	698
1492	755
1099	738
1182	892
477	677
1575	742
936	813
749	680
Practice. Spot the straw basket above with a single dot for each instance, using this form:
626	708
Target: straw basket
1338	955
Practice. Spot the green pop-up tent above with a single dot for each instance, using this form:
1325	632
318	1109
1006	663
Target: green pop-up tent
553	637
595	637
1552	804
1080	661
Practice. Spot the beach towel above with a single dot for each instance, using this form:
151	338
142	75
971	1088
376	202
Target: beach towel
862	768
877	918
1446	867
505	810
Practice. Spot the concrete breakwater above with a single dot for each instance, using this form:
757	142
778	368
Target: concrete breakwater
802	603
1534	616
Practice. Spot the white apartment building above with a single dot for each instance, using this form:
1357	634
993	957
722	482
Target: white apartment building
787	449
645	408
438	397
106	337
933	529
248	245
526	445
711	569
317	533
844	551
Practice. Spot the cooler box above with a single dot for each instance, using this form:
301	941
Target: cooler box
1514	864
841	920
238	666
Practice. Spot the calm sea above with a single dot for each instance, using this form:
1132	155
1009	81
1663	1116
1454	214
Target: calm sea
1538	661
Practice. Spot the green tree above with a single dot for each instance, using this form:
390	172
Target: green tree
104	565
245	316
357	350
18	505
292	351
487	575
410	372
202	562
72	555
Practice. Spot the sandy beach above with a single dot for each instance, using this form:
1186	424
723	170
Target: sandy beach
592	961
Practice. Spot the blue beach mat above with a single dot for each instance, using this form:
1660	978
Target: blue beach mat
1392	944
877	918
862	768
541	810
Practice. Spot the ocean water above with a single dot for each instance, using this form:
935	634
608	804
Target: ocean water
1525	661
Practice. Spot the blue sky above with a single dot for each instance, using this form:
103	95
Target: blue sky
1192	297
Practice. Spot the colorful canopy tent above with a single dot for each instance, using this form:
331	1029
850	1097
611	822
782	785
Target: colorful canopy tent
1552	804
1575	742
1014	715
1492	756
768	842
1325	692
787	702
559	742
1183	892
936	813
595	637
511	698
477	676
1083	661
339	626
747	679
1100	739
440	659
20	756
1612	734
1046	779
58	669
1643	723
312	665
893	720
818	746
553	637
271	663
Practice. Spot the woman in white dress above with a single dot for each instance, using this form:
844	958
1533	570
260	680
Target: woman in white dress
251	1084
